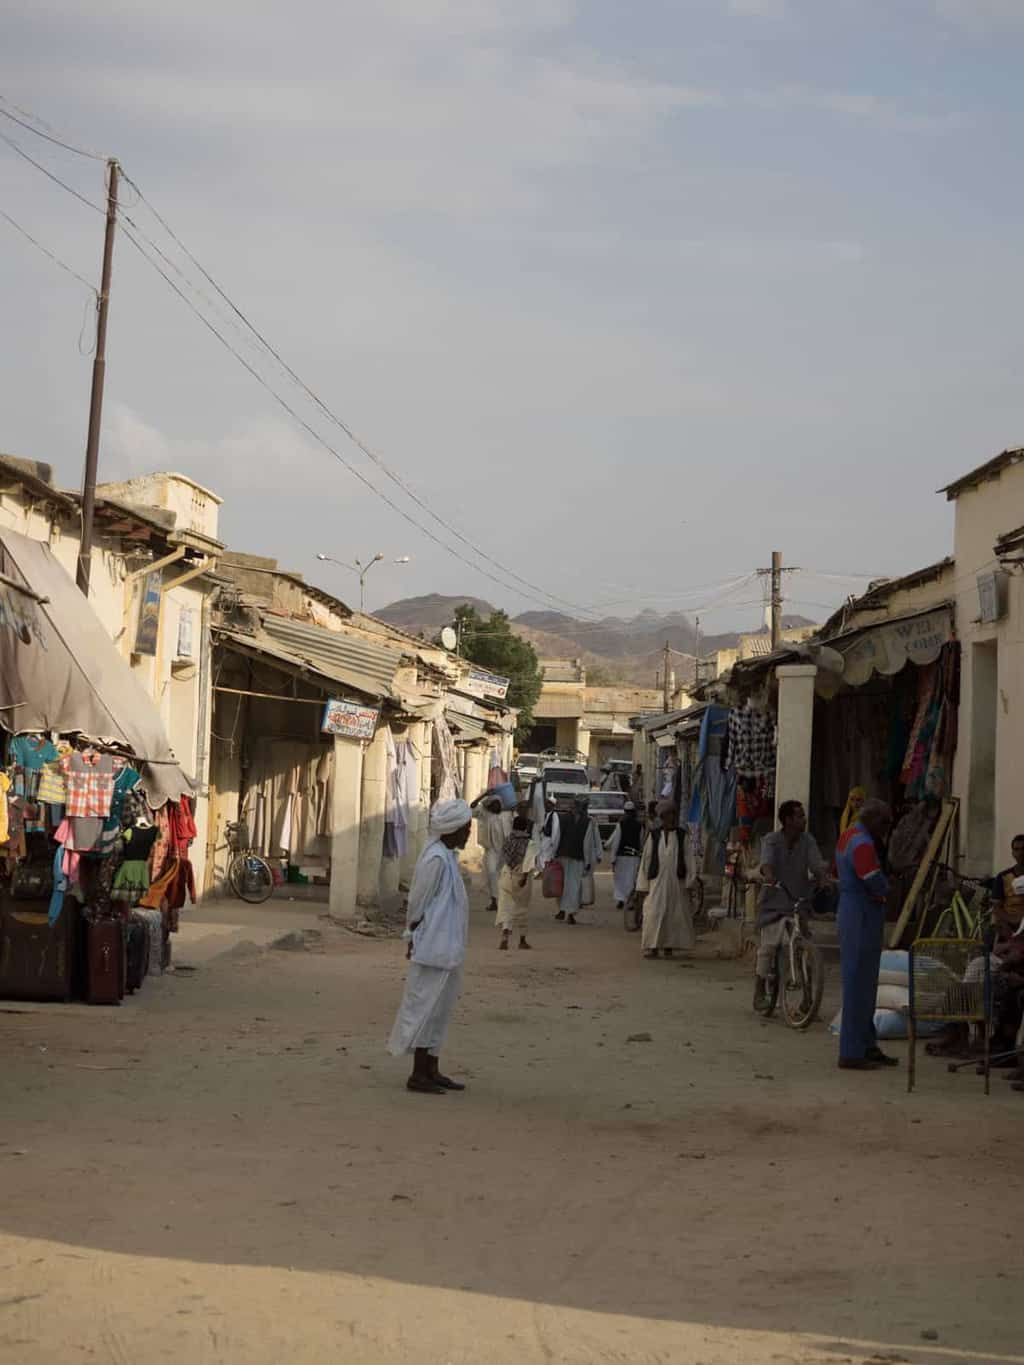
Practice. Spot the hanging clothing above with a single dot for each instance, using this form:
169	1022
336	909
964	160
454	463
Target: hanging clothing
751	742
668	918
90	781
5	787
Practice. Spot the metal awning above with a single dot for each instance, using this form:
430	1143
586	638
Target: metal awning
364	665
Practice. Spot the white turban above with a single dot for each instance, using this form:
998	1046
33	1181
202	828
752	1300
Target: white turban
448	816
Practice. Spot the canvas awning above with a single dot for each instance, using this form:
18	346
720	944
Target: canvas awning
60	670
887	647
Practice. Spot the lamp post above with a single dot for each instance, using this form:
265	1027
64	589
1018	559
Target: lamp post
362	569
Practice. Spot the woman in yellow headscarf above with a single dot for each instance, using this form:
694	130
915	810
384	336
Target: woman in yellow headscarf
854	801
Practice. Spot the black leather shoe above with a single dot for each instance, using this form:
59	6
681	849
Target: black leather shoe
881	1058
447	1083
858	1064
424	1085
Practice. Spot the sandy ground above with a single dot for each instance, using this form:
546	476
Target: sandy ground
229	1169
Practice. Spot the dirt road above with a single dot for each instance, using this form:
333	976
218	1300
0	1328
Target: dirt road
228	1169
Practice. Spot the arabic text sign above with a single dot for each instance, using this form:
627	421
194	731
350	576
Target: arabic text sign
350	719
480	683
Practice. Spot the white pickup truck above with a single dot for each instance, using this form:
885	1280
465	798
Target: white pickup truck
563	782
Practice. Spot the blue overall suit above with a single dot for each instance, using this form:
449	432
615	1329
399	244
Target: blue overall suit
862	891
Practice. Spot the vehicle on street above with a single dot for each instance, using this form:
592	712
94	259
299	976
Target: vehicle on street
607	808
619	768
525	769
563	782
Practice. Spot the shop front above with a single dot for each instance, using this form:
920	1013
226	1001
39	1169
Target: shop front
96	818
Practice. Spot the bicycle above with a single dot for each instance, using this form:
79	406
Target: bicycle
961	919
798	974
249	874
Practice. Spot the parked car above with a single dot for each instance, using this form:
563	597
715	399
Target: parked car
607	808
563	782
525	769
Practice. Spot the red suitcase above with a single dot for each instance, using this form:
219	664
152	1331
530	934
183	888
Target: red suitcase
105	965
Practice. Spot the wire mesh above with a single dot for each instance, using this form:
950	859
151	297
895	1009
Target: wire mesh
950	980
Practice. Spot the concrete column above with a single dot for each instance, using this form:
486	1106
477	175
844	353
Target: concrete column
476	776
796	726
346	796
371	840
419	736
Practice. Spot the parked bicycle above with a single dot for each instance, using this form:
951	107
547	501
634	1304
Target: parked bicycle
249	874
797	978
962	918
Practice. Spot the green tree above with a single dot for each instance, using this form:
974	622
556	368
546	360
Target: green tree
493	645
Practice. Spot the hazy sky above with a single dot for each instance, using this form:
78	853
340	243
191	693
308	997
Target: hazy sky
632	293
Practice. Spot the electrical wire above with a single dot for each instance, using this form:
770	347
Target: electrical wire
283	403
50	135
47	252
344	426
50	175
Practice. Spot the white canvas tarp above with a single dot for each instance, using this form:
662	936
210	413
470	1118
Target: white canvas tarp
60	670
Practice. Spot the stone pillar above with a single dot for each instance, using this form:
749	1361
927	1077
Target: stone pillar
796	726
371	842
419	736
476	758
346	797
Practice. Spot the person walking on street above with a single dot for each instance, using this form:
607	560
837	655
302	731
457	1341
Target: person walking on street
493	826
437	930
579	852
863	888
668	919
624	849
550	835
515	882
791	863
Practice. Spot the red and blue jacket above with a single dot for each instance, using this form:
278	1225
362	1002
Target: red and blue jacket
861	879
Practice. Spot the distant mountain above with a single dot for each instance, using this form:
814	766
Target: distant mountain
614	649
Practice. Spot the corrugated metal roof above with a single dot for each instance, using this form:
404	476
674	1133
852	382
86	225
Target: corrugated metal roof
466	727
367	666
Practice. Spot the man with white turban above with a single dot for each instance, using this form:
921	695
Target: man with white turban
437	929
494	825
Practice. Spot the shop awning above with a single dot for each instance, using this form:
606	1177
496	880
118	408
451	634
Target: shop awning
60	670
887	647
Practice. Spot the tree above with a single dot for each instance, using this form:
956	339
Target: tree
492	644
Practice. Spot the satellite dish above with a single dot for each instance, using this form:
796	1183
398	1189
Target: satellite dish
448	638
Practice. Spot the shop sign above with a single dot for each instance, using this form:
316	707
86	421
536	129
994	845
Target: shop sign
886	649
350	719
481	683
148	628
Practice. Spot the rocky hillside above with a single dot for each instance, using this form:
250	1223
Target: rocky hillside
614	649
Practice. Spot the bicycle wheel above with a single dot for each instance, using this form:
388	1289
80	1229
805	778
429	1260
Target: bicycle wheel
250	878
802	983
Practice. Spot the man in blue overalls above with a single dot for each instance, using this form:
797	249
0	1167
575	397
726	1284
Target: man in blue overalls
863	887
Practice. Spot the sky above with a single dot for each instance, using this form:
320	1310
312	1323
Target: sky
630	295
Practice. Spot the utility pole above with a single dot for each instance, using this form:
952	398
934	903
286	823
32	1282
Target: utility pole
666	679
696	653
776	599
99	365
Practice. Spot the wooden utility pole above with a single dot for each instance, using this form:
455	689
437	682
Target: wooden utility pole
666	678
776	599
99	365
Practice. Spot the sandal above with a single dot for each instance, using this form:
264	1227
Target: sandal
425	1085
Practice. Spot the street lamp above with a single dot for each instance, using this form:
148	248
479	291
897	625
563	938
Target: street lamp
358	567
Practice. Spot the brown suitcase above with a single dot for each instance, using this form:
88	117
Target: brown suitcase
36	961
105	965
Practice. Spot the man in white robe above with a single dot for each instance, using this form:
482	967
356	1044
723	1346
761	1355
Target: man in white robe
579	852
624	848
668	918
550	834
437	929
493	827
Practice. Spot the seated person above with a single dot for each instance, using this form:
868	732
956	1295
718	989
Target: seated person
1007	900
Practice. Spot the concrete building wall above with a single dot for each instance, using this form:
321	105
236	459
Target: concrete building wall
989	775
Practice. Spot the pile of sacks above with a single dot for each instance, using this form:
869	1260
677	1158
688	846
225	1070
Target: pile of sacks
892	1003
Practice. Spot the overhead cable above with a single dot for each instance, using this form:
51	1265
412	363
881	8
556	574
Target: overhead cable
47	252
49	135
283	403
50	175
367	450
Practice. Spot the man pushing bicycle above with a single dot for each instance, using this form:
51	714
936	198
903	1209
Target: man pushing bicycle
791	867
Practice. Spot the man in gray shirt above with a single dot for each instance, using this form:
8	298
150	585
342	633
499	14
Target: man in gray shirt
791	863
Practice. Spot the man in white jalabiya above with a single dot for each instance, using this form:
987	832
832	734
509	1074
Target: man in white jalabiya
493	827
550	834
624	848
437	927
668	919
579	852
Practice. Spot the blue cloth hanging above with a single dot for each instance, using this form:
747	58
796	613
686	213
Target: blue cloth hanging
60	886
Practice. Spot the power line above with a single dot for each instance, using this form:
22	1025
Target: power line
344	426
47	252
283	403
49	136
50	175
